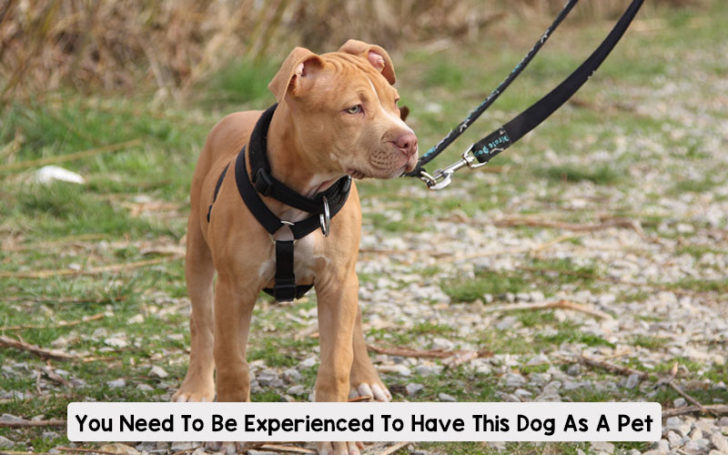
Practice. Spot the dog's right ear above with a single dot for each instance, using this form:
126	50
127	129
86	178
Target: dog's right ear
296	73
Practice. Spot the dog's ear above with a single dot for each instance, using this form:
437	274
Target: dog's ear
296	73
378	57
403	112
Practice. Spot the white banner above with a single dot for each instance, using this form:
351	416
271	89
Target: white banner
468	421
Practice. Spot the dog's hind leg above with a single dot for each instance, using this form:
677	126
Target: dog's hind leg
198	384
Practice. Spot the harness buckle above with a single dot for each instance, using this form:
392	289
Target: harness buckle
325	218
263	182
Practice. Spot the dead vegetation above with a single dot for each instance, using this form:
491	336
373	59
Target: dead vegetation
117	45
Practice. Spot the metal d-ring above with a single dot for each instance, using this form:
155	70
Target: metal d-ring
325	218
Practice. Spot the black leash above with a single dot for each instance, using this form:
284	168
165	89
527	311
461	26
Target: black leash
490	99
491	145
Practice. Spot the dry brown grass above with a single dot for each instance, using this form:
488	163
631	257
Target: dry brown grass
171	44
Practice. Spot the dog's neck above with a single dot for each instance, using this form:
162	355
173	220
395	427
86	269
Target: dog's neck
289	164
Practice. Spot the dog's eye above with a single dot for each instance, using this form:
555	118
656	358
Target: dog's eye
358	109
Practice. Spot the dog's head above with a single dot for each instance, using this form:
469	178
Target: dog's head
346	108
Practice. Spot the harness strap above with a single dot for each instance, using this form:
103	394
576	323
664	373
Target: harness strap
217	190
267	185
268	219
285	288
322	207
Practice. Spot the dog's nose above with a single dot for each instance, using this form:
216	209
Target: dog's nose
407	143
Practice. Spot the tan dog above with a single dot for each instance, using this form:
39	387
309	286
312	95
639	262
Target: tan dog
337	115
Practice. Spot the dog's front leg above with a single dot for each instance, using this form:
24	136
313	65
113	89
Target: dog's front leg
233	310
337	309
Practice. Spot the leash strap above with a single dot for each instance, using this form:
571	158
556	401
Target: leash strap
490	99
491	145
511	132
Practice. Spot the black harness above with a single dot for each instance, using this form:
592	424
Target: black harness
322	207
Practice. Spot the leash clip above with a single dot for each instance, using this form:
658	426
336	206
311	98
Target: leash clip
325	218
443	177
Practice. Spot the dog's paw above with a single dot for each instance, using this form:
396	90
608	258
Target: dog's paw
339	448
376	392
183	395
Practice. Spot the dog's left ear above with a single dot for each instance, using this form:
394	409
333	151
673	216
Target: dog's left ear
296	74
377	56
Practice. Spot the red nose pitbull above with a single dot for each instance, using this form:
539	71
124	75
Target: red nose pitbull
336	119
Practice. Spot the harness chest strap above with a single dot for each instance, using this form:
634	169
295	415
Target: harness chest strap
323	206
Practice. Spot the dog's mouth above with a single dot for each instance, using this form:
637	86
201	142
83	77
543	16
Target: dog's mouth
356	174
407	167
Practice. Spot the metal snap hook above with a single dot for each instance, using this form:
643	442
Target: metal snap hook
325	218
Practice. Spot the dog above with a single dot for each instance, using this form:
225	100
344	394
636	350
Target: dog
336	118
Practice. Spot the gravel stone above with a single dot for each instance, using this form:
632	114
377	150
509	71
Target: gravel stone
268	378
443	344
296	390
513	380
291	375
696	434
183	445
116	383
446	397
540	359
10	418
719	442
674	439
663	445
158	371
550	392
428	370
697	446
523	393
5	443
605	447
412	388
574	370
309	362
633	381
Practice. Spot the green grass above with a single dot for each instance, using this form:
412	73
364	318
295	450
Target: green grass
600	175
486	282
242	82
574	335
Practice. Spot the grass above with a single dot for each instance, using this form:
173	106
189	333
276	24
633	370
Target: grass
134	206
601	175
486	282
